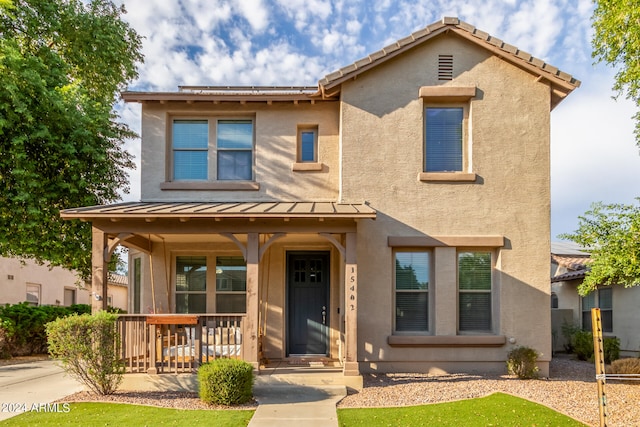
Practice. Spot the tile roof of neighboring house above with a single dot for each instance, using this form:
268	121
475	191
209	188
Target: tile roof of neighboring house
568	248
329	87
571	262
118	279
570	275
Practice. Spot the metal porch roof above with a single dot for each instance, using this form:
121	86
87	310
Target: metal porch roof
222	210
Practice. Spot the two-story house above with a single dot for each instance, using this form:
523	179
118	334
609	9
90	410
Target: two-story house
393	218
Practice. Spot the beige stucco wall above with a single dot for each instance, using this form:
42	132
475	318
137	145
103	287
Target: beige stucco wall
382	153
52	282
275	150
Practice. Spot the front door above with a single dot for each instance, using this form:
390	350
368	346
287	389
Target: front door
308	302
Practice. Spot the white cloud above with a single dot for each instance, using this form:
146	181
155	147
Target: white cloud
255	12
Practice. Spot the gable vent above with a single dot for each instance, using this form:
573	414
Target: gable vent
445	67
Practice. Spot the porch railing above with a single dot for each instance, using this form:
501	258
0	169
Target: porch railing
178	343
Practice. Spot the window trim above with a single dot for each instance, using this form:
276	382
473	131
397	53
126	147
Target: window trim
430	291
597	304
38	288
449	97
301	165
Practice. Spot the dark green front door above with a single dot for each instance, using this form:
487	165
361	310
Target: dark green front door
308	302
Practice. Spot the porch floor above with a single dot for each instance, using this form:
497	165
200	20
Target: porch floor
309	372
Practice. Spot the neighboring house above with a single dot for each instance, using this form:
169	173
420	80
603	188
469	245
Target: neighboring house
42	285
393	218
618	305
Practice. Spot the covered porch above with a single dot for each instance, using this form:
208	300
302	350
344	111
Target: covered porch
260	281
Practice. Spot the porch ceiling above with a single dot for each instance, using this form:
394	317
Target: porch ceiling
185	211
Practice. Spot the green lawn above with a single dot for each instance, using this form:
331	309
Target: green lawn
117	414
495	410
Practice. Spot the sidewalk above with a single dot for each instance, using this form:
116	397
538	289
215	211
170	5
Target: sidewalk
34	383
291	405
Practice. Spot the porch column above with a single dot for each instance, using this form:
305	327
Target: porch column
351	310
250	341
99	270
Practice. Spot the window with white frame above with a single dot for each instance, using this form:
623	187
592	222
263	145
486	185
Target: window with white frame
196	158
444	139
231	284
474	291
412	274
603	299
191	284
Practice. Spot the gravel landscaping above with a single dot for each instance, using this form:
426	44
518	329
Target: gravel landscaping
571	389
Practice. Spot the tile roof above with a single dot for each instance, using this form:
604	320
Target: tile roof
561	80
571	262
118	279
570	275
223	210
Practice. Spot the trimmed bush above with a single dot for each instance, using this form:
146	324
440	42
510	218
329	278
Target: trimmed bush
611	350
89	348
582	343
625	366
23	326
226	382
521	361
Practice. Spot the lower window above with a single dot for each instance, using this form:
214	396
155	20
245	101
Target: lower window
231	285
474	292
411	291
191	284
602	299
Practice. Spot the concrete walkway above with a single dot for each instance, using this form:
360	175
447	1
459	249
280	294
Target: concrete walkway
34	383
292	405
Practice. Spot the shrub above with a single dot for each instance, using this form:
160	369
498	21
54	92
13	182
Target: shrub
521	361
24	326
611	349
89	348
625	366
582	342
226	382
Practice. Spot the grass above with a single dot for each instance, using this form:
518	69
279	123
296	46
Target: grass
119	414
497	409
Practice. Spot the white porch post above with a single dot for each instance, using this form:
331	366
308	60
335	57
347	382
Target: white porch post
99	270
351	310
250	342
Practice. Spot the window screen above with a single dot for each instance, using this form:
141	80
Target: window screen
443	134
412	291
474	286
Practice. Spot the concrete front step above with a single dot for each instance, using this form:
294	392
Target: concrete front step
310	379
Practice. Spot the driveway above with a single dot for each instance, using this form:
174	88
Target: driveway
32	385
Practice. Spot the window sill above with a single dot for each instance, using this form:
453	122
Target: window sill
447	176
218	185
310	166
447	340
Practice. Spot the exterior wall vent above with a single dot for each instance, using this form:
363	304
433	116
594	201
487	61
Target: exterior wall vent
9	276
445	67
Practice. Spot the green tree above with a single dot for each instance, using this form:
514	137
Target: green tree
616	41
62	65
611	232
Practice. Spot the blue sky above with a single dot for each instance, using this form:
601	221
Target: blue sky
297	42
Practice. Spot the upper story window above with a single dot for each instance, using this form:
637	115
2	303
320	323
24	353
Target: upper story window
447	146
308	145
412	277
190	145
235	149
474	292
211	150
444	139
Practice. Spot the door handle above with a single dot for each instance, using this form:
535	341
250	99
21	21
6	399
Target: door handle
324	315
